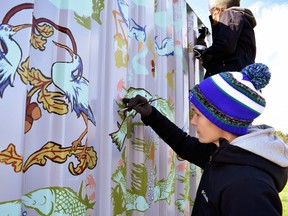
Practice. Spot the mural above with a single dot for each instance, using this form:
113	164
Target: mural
71	85
68	146
50	201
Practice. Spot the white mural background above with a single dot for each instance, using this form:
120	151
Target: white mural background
64	68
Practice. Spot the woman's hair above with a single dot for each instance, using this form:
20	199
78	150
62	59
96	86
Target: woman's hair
216	8
216	13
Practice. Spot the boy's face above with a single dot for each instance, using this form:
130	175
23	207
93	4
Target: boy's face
207	132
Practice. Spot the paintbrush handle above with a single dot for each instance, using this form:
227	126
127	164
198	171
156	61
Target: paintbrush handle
140	104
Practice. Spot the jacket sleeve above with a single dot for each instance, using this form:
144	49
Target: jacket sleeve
228	32
187	147
250	198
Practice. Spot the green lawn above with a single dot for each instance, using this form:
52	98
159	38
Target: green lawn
284	198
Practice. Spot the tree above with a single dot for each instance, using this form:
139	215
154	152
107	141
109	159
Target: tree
283	136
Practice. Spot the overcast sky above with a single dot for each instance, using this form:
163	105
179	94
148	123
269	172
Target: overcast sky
272	46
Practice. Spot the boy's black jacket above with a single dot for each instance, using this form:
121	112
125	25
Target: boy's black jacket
235	182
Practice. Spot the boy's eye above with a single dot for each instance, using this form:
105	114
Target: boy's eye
194	113
191	114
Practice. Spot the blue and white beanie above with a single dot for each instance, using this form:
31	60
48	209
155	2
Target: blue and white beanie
232	100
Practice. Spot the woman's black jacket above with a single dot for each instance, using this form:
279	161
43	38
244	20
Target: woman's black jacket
233	42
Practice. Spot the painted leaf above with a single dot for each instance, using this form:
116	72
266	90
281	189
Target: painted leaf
89	160
51	103
98	6
10	156
45	30
52	151
38	42
23	73
56	153
37	79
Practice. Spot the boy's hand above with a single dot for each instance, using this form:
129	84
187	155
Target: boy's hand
139	104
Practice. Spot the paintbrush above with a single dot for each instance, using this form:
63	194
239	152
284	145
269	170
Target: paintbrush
140	104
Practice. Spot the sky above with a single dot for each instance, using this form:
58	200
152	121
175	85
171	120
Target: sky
271	34
272	47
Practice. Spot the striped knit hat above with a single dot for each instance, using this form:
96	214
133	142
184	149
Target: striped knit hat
232	100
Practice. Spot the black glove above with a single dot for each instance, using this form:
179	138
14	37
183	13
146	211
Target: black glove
203	32
138	103
199	50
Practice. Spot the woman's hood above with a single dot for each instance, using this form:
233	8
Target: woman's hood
262	141
248	13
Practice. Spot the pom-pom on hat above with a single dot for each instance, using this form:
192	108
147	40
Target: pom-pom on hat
232	100
224	3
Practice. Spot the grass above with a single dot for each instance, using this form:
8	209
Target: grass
284	199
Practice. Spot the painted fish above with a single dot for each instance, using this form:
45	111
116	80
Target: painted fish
119	136
132	201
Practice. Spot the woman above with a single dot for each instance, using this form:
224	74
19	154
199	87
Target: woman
233	38
244	166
